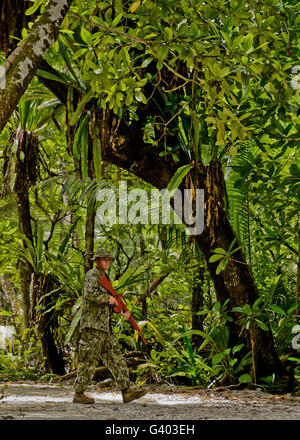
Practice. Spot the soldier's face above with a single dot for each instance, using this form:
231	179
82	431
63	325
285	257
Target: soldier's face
103	264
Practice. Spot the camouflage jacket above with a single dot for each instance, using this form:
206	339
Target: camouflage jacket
95	310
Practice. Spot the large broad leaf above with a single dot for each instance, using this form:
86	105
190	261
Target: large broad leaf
67	60
83	125
73	325
51	76
245	378
178	177
80	107
5	313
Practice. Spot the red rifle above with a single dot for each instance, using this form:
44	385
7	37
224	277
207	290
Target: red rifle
104	281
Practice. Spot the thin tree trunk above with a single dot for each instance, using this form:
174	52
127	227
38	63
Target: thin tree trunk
21	65
26	269
25	174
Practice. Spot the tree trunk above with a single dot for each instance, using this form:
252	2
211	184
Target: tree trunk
21	65
22	199
55	361
236	282
47	323
26	173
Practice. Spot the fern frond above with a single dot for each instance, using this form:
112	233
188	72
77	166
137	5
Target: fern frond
237	192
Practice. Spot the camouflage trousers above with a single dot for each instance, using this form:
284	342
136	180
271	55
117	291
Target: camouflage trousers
95	344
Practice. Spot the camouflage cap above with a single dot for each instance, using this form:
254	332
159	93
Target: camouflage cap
102	253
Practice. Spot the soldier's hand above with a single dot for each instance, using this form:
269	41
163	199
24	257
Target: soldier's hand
125	314
112	300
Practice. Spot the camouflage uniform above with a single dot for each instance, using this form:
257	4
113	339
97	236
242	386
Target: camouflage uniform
97	337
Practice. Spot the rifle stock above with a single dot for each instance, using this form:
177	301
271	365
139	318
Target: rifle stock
104	281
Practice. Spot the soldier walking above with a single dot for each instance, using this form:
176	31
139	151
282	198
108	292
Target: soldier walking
97	337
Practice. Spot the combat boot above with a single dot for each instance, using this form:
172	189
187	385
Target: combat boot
130	394
82	398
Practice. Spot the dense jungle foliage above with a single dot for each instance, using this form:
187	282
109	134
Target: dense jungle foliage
156	94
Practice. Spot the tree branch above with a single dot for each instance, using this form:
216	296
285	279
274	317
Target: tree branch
153	286
21	65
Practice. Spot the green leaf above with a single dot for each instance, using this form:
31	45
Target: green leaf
48	75
247	309
146	62
135	5
102	5
245	378
77	137
68	62
206	150
237	348
5	313
178	177
86	36
80	107
117	20
220	251
293	359
34	7
262	325
222	265
162	53
169	33
140	97
125	55
237	41
231	245
73	326
217	358
276	309
248	42
237	309
215	258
